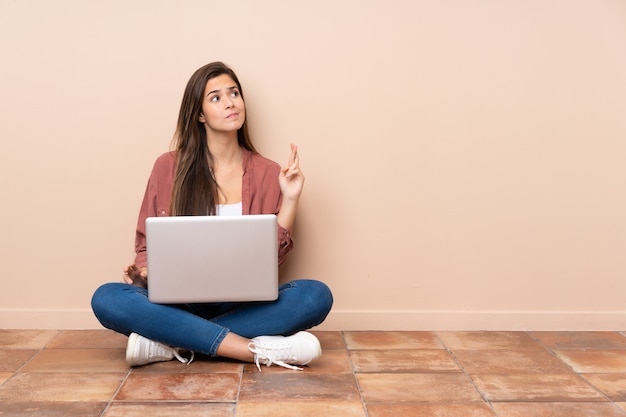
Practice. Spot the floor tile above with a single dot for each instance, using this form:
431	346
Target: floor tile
14	359
536	387
83	339
78	360
332	361
25	339
573	409
298	386
403	361
430	410
65	386
581	340
594	361
487	340
426	387
169	409
198	366
52	409
330	340
509	361
300	409
612	385
4	376
179	387
416	373
391	340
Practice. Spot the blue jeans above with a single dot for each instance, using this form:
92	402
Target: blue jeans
125	308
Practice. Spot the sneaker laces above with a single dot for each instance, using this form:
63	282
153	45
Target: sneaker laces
182	359
268	355
163	350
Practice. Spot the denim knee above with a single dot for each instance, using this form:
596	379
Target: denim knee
109	305
99	297
319	298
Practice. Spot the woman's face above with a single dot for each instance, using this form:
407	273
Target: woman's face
223	109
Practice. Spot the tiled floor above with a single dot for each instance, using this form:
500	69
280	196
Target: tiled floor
376	374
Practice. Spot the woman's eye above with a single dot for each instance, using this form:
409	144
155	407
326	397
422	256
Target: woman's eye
235	94
215	98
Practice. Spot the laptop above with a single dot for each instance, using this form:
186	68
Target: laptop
201	259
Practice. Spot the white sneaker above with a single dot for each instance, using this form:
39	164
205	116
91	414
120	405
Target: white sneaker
286	351
141	351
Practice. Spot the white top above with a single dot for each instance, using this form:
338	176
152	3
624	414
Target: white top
230	209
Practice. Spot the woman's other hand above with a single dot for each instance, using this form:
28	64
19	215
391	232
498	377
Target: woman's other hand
136	276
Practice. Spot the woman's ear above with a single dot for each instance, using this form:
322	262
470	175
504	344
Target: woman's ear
201	119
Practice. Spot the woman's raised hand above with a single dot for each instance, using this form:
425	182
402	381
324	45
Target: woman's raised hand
291	179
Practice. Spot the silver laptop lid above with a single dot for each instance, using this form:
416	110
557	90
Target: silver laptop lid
212	258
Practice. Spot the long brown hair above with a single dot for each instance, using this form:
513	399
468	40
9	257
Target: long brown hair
194	191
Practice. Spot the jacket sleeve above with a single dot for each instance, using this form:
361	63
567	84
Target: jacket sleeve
285	244
285	241
156	202
148	209
261	195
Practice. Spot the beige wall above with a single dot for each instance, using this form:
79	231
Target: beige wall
465	160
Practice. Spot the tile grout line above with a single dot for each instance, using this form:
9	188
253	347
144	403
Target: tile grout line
239	386
119	387
356	380
578	374
45	346
467	375
38	351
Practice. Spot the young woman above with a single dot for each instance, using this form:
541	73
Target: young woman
215	170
